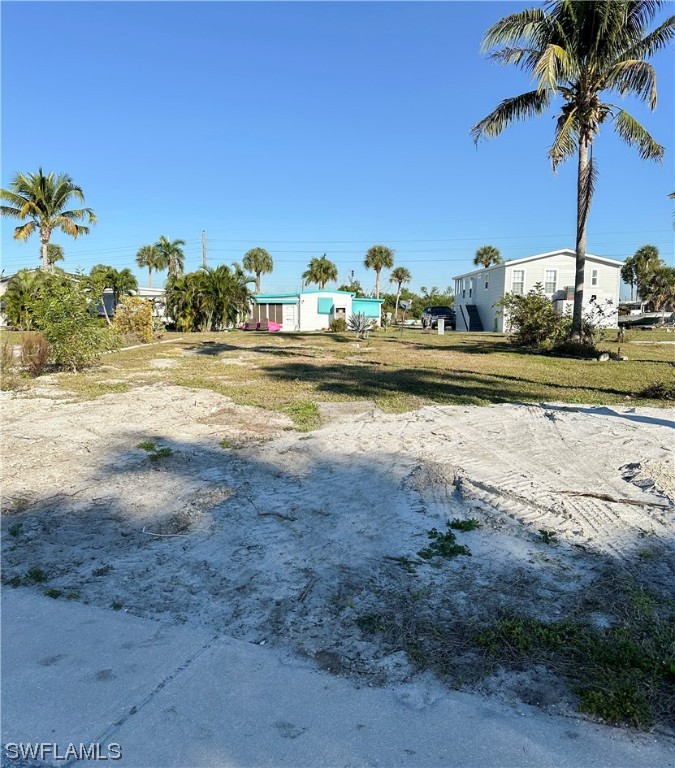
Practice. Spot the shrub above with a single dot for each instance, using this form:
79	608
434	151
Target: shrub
532	318
67	318
34	353
338	325
133	317
6	356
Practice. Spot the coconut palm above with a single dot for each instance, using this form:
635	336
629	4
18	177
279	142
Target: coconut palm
151	257
645	261
659	288
378	257
320	271
399	276
578	50
628	274
43	200
486	256
258	261
54	254
173	258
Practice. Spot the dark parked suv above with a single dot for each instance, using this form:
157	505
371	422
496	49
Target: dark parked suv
431	315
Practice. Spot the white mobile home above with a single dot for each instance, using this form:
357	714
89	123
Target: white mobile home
477	292
311	310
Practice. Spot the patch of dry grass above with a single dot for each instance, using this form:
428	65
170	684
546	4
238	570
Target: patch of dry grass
399	370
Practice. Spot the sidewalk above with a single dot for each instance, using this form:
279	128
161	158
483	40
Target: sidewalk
173	696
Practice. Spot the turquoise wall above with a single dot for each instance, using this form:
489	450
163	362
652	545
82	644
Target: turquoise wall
369	307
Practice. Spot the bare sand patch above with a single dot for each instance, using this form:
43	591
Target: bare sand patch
237	523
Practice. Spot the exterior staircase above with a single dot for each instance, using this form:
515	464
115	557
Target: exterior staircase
475	323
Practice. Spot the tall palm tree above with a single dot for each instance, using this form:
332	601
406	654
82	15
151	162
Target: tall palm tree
54	254
43	200
645	261
399	276
320	271
151	257
258	261
659	288
486	256
173	257
577	50
628	274
378	257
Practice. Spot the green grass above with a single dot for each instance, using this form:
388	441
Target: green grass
399	370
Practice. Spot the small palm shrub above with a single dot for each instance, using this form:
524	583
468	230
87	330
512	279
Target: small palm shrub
34	353
360	324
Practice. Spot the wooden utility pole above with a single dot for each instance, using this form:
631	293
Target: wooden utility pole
204	248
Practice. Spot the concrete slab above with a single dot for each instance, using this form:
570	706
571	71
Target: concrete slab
173	696
69	671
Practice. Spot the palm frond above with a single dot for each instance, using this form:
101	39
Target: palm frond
516	26
636	77
24	231
12	213
553	65
636	135
566	141
509	111
525	58
655	41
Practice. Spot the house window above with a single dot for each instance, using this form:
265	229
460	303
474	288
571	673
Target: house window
594	277
550	278
486	283
518	281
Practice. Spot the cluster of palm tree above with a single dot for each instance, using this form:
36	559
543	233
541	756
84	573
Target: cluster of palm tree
651	277
163	255
576	51
209	299
122	282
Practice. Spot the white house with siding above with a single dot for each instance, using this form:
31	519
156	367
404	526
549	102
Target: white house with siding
477	292
311	310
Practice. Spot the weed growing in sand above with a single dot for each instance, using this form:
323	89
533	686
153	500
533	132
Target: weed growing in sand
443	545
116	605
73	595
154	453
464	525
225	444
548	537
15	529
53	593
623	673
305	415
36	576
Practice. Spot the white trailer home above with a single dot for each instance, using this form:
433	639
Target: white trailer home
477	292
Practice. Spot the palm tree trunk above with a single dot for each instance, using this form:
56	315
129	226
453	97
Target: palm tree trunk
257	282
398	294
377	283
149	277
45	258
583	204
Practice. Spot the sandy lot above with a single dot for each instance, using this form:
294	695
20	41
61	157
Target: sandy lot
254	530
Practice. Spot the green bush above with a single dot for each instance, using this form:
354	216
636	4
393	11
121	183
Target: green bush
133	318
338	325
67	318
532	318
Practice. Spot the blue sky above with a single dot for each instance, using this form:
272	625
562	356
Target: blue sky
304	128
